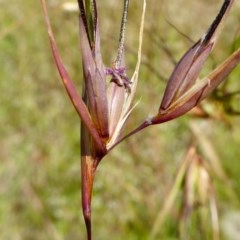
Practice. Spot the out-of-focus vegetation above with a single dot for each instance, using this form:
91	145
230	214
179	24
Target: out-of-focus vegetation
39	129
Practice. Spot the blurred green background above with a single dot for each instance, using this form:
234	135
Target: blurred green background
39	129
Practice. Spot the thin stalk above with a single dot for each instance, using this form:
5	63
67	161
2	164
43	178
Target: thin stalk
120	50
143	125
90	158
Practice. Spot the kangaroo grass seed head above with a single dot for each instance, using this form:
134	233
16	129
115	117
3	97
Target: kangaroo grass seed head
104	107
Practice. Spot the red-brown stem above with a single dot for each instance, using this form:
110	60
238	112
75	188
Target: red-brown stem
87	173
90	158
158	119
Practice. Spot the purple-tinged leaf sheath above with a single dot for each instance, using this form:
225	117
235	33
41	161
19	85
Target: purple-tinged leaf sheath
183	75
200	90
70	87
190	65
193	72
95	82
